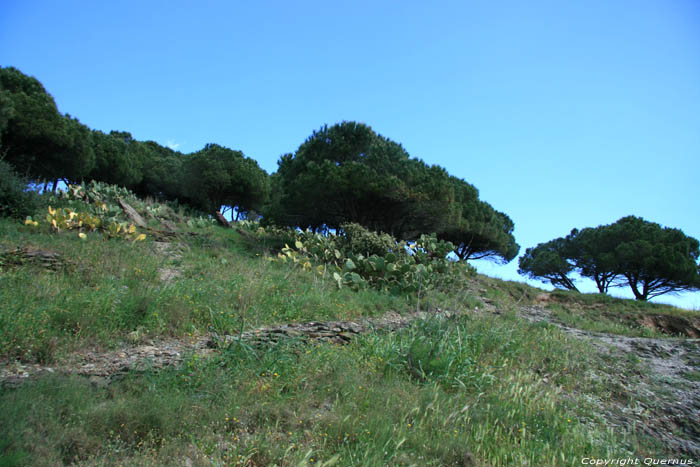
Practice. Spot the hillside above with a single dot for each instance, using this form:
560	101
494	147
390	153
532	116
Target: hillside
158	337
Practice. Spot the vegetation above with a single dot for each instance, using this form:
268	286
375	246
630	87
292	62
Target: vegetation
477	388
341	174
650	259
16	200
352	228
347	173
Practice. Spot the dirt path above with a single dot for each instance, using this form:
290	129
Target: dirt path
102	367
665	398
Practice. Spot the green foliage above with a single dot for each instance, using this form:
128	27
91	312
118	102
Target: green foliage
349	173
34	135
66	219
549	263
653	260
478	230
16	200
99	199
358	258
590	251
474	389
90	208
162	172
117	160
217	176
78	154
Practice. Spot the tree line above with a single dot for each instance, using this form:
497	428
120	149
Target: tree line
45	146
344	173
650	259
341	174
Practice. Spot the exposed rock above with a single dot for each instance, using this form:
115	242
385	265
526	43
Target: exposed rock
672	325
221	219
132	214
170	352
28	255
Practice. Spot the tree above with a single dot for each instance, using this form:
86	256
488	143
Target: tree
478	230
655	260
7	109
34	136
116	159
217	176
548	262
348	173
77	153
592	252
162	172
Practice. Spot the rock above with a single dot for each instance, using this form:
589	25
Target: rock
221	219
132	214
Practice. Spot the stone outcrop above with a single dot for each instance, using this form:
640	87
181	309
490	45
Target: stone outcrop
103	367
132	214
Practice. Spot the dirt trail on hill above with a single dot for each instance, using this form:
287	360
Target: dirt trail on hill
102	367
665	399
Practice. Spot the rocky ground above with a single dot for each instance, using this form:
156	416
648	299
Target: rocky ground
664	399
102	367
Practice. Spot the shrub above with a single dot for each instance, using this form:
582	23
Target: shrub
358	258
16	200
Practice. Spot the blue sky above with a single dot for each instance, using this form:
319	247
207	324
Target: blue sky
563	114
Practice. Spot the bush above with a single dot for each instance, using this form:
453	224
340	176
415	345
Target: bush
358	258
16	200
358	240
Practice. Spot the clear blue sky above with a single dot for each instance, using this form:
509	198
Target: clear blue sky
563	114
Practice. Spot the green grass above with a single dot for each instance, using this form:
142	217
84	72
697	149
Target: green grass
439	393
478	389
602	313
112	288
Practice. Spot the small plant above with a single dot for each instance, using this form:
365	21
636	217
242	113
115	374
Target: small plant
125	231
60	219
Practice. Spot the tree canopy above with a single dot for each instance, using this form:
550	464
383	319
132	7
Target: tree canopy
217	176
348	173
344	173
655	260
34	136
478	230
548	262
650	259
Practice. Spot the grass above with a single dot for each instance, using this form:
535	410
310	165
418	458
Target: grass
112	288
478	389
438	393
603	313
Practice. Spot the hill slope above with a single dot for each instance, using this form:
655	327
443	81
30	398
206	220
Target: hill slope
189	347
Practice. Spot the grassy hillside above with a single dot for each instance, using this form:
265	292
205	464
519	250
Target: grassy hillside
485	386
